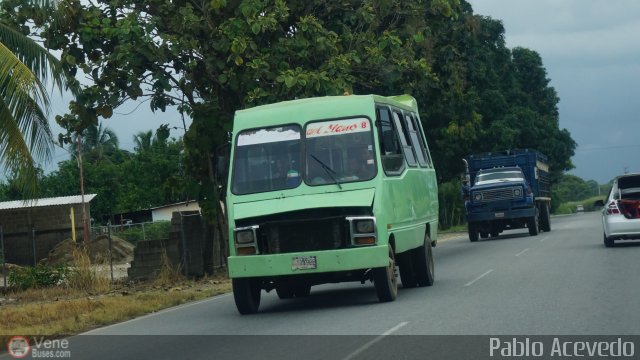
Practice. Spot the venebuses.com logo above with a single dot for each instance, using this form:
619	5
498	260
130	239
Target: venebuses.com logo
20	347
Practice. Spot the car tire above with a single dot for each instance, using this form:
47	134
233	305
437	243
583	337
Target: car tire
423	263
473	232
246	293
385	281
608	242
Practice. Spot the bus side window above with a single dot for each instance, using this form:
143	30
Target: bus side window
416	140
422	136
390	149
404	139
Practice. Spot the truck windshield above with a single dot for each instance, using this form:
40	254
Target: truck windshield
270	159
267	160
345	147
499	175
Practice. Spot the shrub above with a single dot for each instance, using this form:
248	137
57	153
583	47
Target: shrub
38	276
86	276
564	209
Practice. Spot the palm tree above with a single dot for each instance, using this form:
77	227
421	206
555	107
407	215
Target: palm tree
97	143
142	141
25	135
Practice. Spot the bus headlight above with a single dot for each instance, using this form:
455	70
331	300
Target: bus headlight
244	237
365	226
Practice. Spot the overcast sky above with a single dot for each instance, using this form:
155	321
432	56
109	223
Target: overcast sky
591	50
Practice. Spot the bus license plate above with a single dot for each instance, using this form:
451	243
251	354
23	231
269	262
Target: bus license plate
303	263
500	215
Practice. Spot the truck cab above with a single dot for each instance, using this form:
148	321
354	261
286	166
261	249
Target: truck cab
506	190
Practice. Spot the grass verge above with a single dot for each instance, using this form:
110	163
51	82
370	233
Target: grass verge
61	311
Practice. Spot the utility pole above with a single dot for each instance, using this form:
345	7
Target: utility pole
85	229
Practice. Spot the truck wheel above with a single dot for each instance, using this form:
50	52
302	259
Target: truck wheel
494	234
533	225
484	234
384	280
423	263
246	293
545	218
407	274
473	232
608	242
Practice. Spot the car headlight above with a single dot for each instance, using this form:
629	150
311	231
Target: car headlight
244	236
517	192
365	226
477	197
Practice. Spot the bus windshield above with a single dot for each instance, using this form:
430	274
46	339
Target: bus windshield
339	151
267	160
270	159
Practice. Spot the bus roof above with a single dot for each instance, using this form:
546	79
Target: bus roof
317	108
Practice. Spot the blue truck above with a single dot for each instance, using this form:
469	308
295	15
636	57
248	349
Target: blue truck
506	190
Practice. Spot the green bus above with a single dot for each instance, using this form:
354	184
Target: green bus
327	190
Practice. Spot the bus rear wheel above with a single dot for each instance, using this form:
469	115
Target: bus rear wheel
423	263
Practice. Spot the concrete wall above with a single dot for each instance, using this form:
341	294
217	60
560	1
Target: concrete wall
52	224
193	245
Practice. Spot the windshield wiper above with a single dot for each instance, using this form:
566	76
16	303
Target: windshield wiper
328	170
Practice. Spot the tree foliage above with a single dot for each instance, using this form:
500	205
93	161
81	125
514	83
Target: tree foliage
25	66
211	58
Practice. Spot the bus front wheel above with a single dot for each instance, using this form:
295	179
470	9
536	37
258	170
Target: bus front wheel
246	293
385	280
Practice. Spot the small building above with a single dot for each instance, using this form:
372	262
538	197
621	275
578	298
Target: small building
31	228
165	212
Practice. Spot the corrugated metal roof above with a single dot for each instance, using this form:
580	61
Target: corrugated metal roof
63	200
174	204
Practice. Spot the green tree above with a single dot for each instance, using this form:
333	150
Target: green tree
213	58
25	67
98	143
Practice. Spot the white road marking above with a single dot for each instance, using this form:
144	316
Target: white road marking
479	277
160	312
522	252
544	238
372	342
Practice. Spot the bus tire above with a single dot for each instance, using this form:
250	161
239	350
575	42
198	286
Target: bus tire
246	293
302	290
385	281
284	291
407	273
423	263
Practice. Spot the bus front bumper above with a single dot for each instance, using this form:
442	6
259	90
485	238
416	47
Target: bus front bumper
325	261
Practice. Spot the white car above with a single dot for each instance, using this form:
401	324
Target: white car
621	213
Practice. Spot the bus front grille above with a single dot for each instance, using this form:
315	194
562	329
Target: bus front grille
304	235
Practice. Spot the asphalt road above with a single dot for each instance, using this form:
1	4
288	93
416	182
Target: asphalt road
564	282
